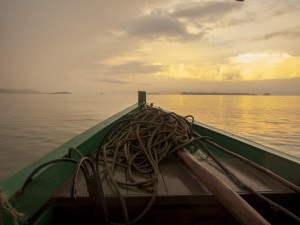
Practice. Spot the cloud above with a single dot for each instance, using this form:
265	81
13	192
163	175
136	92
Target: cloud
42	41
274	86
206	11
180	23
264	11
229	73
127	68
262	66
159	27
113	81
46	42
218	14
247	66
291	34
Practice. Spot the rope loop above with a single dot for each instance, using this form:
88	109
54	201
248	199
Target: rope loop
138	144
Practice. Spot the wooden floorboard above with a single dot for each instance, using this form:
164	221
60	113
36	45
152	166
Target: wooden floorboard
175	180
178	180
181	197
255	178
119	175
81	188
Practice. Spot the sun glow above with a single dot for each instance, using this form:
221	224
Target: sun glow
260	58
260	66
248	66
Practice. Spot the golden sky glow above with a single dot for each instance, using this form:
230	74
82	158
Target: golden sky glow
166	46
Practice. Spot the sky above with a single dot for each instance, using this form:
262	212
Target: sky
165	46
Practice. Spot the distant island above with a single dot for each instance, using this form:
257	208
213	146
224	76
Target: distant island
214	93
28	91
19	91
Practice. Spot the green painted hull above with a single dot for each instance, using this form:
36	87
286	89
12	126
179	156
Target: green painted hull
48	180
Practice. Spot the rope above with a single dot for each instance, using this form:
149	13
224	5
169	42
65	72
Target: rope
141	141
14	214
138	144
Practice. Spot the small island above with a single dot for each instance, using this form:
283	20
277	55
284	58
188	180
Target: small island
29	91
19	91
214	93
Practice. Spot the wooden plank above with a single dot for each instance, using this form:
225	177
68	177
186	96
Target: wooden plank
258	180
214	169
137	177
64	190
251	176
174	179
108	188
178	179
161	188
81	188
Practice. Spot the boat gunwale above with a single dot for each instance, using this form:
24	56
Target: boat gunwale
254	144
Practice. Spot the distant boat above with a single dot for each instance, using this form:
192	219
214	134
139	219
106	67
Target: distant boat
113	173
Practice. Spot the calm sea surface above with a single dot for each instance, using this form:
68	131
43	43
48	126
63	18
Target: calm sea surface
33	125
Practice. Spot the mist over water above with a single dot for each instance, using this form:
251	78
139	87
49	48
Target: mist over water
32	125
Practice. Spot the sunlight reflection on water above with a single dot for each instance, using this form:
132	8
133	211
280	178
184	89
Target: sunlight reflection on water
273	121
33	125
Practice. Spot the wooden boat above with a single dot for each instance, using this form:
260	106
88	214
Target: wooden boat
227	180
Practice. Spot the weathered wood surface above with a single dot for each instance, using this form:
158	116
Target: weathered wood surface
176	180
181	199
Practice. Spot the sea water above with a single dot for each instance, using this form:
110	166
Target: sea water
31	125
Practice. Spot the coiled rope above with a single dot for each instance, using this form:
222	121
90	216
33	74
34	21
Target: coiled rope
138	144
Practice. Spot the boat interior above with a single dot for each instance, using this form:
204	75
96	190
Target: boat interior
180	198
104	192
